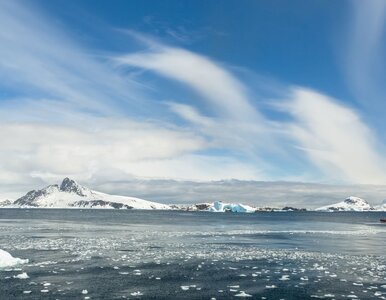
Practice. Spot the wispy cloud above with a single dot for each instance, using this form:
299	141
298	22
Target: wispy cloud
41	60
334	138
214	83
231	119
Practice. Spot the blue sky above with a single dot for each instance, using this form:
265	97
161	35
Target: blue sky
192	90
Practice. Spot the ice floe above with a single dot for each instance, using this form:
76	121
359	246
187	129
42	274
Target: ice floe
7	260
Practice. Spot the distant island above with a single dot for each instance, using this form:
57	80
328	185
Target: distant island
70	194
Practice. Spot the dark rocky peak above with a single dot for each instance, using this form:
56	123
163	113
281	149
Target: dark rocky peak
71	186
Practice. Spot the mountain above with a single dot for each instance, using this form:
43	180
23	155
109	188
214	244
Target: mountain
72	194
5	202
349	204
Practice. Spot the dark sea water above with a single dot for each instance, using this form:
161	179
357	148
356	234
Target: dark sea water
123	254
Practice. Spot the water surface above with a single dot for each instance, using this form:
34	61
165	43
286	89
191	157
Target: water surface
127	254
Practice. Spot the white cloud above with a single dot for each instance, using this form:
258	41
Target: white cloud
334	138
37	58
57	149
214	83
233	122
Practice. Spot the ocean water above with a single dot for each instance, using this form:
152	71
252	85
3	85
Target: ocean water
127	254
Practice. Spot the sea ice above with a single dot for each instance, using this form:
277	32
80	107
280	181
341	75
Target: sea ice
7	260
23	275
243	294
136	293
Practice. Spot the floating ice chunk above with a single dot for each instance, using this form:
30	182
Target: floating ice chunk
84	292
305	278
243	294
284	278
271	286
7	260
27	292
136	293
185	287
23	275
44	291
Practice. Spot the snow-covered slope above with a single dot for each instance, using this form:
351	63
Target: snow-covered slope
219	206
71	194
381	207
349	204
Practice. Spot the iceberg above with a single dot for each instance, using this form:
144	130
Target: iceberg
7	260
219	206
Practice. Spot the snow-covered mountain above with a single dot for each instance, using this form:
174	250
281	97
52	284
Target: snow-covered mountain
349	204
5	202
72	194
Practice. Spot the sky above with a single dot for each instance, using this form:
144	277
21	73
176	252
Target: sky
191	91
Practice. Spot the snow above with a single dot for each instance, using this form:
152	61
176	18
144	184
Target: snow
349	204
71	194
7	260
219	206
381	207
